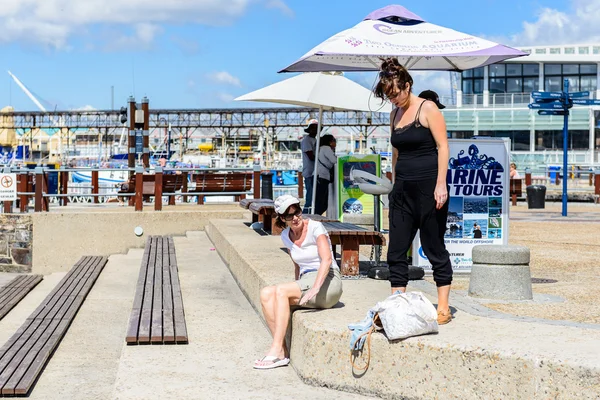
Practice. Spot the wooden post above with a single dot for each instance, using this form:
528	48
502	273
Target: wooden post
184	186
139	189
23	178
64	187
350	249
158	184
95	185
146	130
300	185
597	182
39	189
256	182
528	178
8	207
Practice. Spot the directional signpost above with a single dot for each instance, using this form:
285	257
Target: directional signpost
559	103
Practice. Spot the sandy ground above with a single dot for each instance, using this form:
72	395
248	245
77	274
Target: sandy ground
568	252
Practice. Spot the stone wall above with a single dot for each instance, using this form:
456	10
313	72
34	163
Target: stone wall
15	243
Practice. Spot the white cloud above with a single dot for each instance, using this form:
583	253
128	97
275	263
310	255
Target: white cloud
85	108
224	77
439	82
53	22
142	37
281	6
578	25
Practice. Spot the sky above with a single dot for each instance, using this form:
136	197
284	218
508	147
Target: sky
204	53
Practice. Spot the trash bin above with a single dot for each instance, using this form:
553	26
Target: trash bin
536	196
267	185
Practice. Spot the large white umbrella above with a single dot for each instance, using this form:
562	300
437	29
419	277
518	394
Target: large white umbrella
394	31
327	91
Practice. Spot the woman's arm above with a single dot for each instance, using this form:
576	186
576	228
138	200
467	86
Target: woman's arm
437	126
330	156
324	250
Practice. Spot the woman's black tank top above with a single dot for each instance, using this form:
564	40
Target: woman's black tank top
417	151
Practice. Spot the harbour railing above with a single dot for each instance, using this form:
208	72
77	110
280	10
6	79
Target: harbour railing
40	188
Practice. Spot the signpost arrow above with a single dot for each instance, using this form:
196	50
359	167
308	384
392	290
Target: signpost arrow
547	95
547	106
579	94
586	102
558	112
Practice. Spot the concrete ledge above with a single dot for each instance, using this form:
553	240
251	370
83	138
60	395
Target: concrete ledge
471	358
60	239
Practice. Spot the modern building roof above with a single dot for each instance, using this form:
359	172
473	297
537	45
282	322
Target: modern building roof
563	53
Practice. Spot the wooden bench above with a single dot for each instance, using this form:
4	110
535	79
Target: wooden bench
265	212
245	203
350	237
23	357
516	190
170	184
15	290
157	315
236	184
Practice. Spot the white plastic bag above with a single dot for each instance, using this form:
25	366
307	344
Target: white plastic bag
407	314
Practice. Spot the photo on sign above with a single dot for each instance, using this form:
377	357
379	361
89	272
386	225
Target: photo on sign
352	206
495	234
366	166
495	222
454	222
495	212
495	202
475	229
476	205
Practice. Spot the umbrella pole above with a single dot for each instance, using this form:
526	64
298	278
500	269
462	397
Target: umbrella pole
314	188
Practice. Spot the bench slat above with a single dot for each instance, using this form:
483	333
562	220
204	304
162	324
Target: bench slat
146	315
157	323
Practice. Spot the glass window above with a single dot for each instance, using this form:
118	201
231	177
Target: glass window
553	84
477	86
497	85
573	83
588	68
531	69
569	50
588	83
478	72
555	50
514	85
497	70
584	50
596	50
552	69
530	84
467	74
467	86
513	69
528	51
570	69
540	51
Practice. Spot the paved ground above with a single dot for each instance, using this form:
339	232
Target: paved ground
564	249
226	335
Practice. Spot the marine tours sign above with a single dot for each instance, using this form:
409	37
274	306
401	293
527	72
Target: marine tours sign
478	178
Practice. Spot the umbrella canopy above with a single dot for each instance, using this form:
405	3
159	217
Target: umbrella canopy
394	31
331	91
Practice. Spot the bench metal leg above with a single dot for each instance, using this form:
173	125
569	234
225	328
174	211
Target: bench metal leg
266	220
350	255
254	218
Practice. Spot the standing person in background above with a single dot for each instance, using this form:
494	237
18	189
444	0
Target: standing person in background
325	172
419	199
308	146
433	96
514	174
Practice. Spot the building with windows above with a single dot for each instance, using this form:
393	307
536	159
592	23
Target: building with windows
492	101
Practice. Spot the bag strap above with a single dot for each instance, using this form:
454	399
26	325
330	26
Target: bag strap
376	326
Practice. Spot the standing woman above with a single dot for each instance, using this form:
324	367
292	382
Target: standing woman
419	199
325	173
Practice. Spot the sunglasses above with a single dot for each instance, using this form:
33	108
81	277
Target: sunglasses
289	217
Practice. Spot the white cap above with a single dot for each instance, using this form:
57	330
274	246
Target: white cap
282	203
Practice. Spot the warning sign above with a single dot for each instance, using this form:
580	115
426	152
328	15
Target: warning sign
8	187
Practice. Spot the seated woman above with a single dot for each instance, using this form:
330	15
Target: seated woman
317	284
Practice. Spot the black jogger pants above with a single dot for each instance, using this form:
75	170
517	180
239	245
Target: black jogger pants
412	208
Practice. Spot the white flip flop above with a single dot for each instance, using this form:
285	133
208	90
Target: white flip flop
275	362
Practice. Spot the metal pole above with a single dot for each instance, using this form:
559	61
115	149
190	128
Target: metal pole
565	148
314	188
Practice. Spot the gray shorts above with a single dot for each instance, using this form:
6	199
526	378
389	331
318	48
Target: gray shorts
330	292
